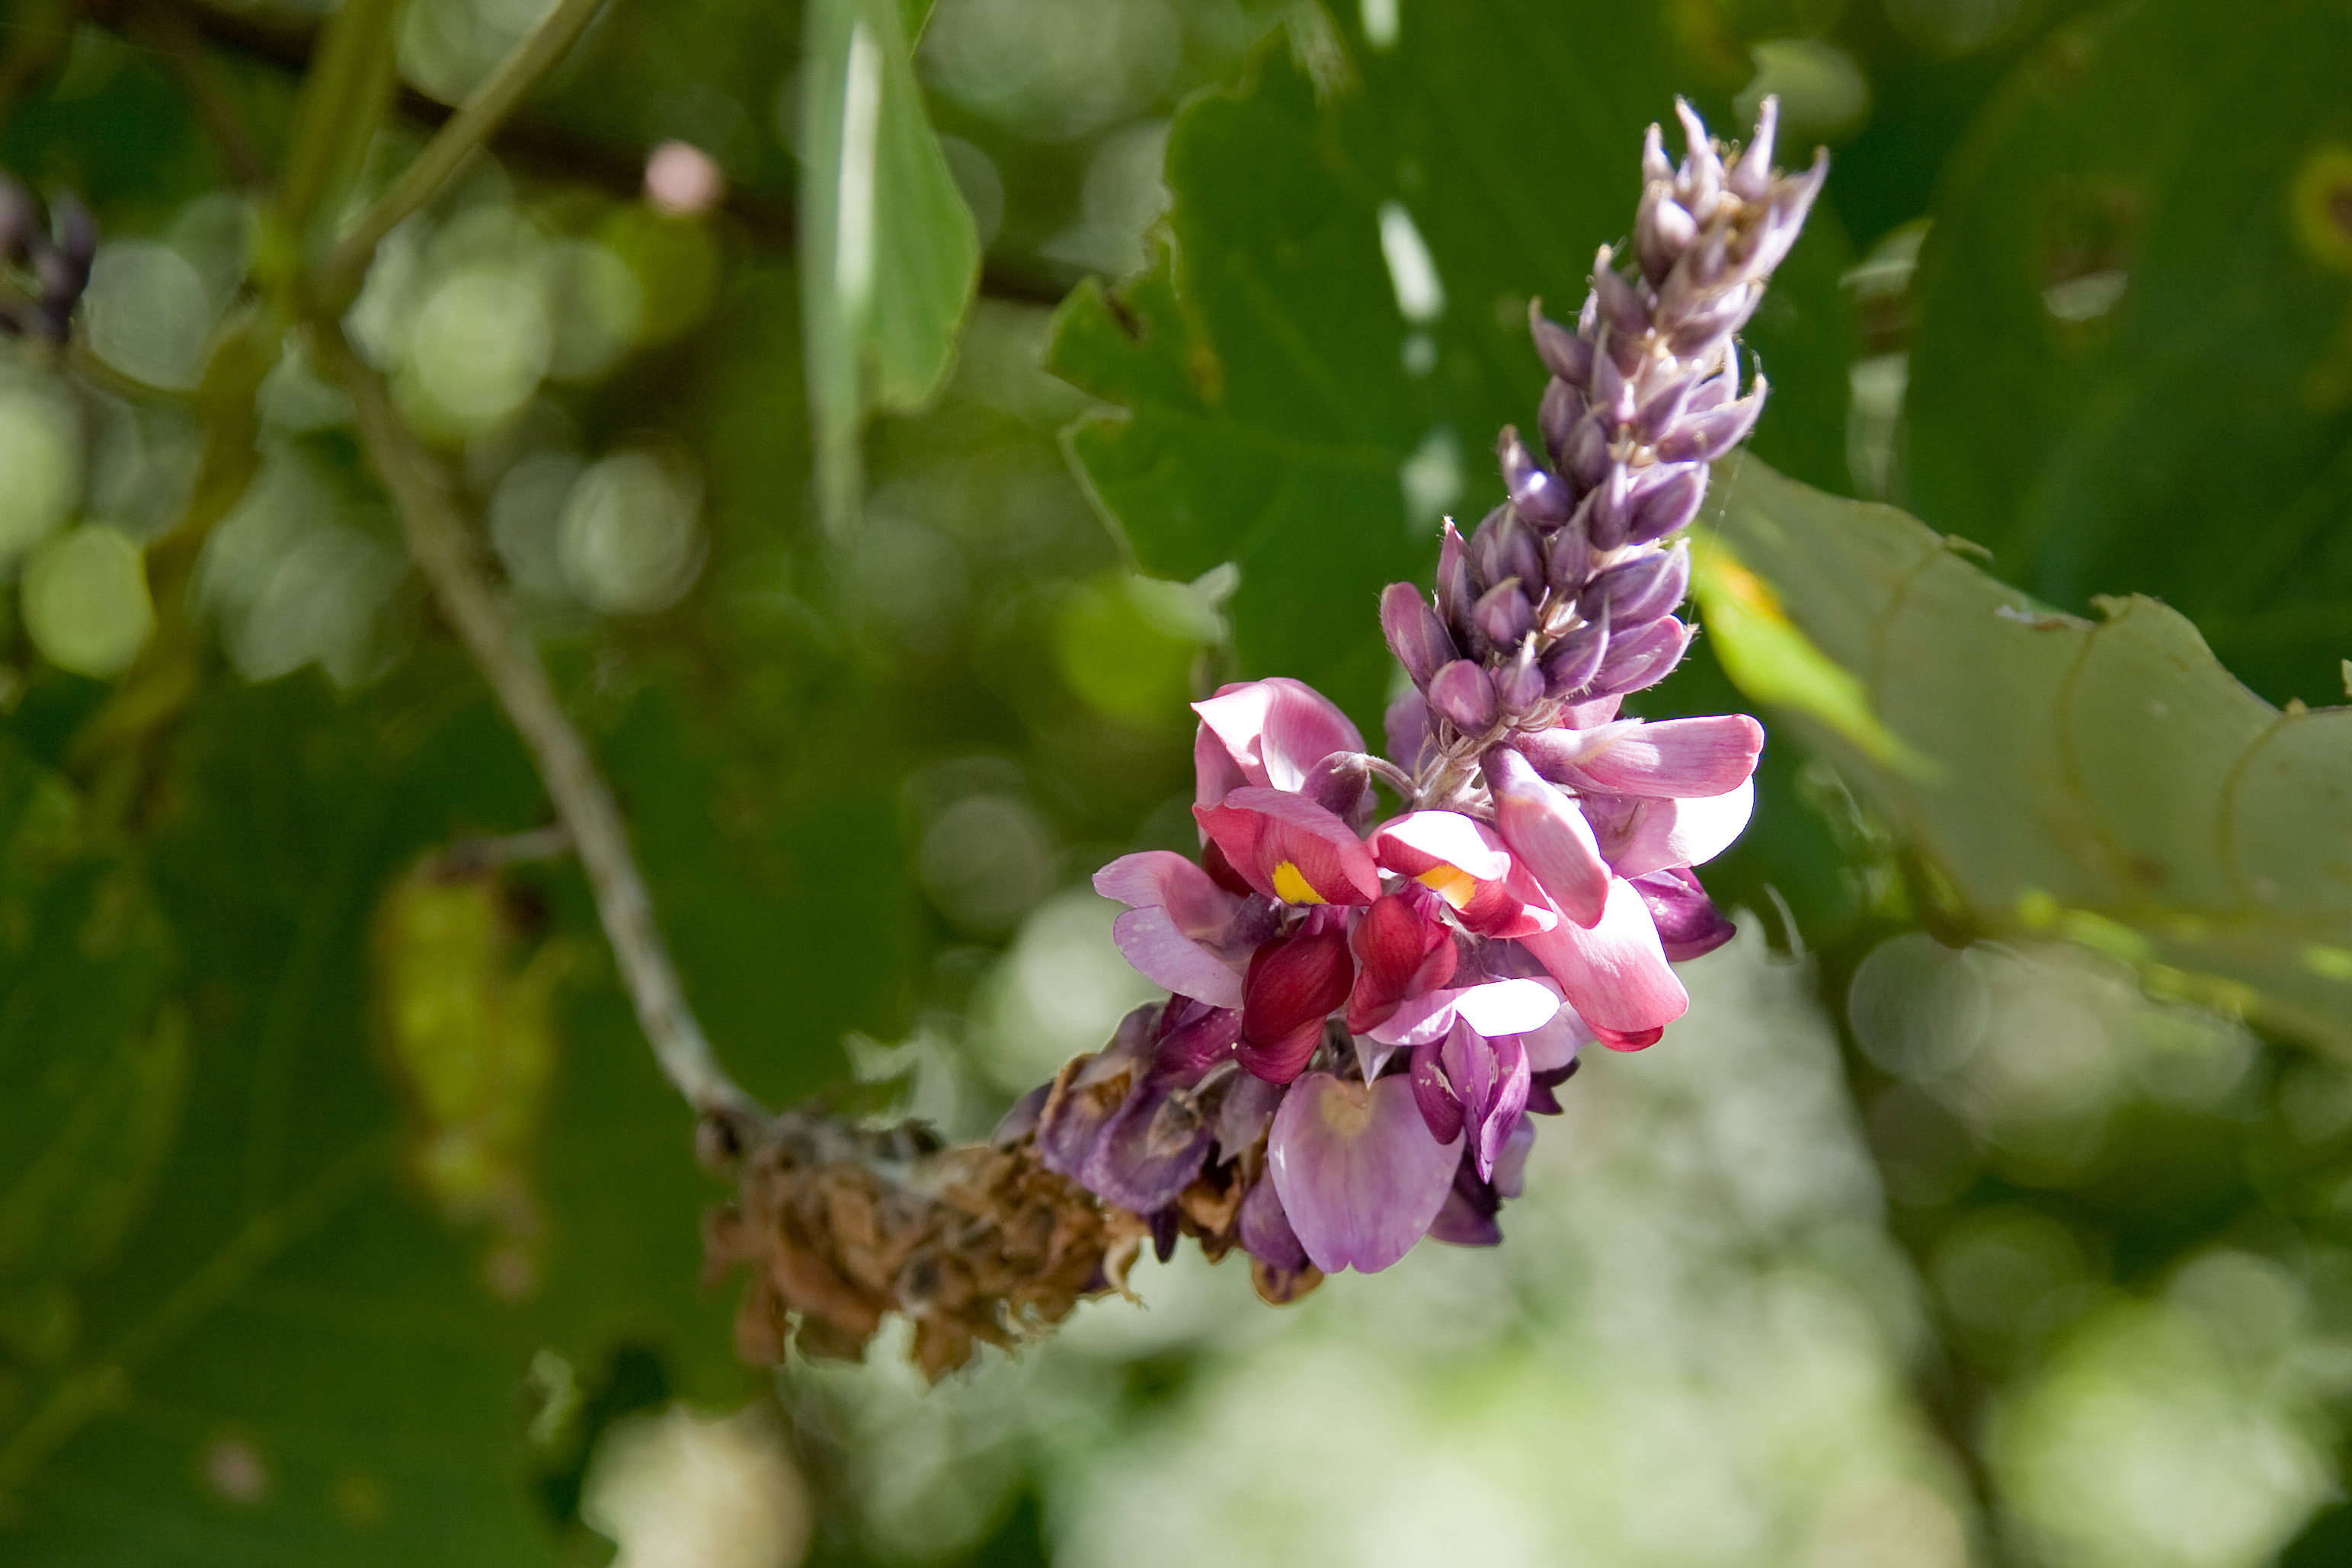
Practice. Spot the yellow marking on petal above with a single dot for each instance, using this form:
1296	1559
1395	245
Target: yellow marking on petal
1290	885
1451	883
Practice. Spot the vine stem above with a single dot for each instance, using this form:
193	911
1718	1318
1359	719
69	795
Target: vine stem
453	566
480	115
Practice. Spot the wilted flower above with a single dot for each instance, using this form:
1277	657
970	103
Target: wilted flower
1364	1017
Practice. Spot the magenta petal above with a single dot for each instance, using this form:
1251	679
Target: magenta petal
1679	758
1216	773
1421	841
1358	1172
1279	728
1260	830
1615	974
1162	878
1548	835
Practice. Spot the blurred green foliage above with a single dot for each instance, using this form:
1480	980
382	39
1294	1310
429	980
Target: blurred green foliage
2078	293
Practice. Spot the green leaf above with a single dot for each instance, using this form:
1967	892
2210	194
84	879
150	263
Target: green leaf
292	1356
89	1073
1272	403
889	257
2110	781
2133	364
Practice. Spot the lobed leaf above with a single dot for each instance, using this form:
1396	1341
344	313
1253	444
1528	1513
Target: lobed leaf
2107	780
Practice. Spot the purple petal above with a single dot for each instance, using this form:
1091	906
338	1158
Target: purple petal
1266	1230
1358	1172
1554	1044
1147	1152
1405	726
1245	1113
1432	1092
1511	1165
1467	1218
1166	956
1463	693
1200	1043
1501	1106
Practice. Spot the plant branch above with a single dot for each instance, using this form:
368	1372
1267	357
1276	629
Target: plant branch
453	567
466	130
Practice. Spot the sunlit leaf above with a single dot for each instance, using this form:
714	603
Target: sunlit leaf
2107	780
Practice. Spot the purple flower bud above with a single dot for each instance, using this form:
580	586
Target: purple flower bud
1640	590
1642	658
1564	353
1703	438
1576	658
1341	784
1751	178
1519	684
1712	320
1612	396
1504	615
1655	166
1505	547
1662	230
1415	635
1567	560
1562	406
1455	594
1664	408
1689	925
1668	501
1535	494
1702	171
1608	511
1584	455
1621	307
1463	694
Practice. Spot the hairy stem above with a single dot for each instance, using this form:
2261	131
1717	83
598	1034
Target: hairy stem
453	567
466	130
